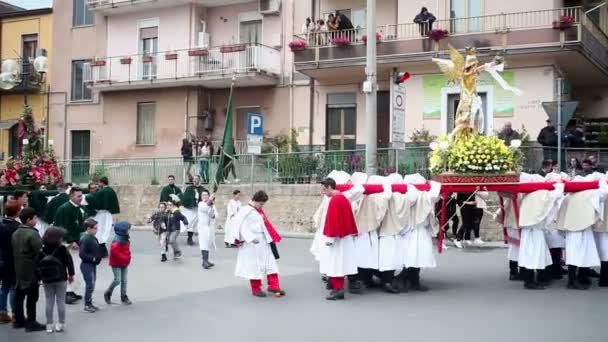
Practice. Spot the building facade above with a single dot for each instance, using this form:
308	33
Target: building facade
24	34
133	78
537	54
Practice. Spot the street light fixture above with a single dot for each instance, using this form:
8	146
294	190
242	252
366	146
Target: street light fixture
14	74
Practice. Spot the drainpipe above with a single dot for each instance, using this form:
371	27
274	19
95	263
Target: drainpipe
187	117
311	114
47	124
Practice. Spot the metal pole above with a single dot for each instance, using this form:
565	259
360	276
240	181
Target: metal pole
370	71
251	172
559	123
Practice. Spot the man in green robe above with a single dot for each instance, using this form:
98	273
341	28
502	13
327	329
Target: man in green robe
189	206
104	202
51	207
170	189
38	199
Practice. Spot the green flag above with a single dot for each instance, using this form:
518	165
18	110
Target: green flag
227	155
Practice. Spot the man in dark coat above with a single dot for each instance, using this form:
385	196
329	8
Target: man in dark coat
189	202
548	138
425	20
56	202
169	189
27	245
7	262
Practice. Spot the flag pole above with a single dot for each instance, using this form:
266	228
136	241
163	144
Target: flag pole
219	176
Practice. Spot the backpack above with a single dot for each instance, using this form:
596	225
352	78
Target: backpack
50	268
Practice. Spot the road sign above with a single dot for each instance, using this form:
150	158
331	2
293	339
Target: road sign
397	119
254	144
568	109
255	124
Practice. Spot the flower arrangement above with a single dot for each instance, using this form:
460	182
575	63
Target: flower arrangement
477	154
378	38
35	165
564	22
340	41
438	34
298	45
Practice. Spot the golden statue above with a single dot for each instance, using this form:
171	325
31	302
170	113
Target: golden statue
465	70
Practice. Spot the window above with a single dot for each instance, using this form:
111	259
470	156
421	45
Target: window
29	45
341	121
80	91
146	132
148	47
468	12
81	15
251	32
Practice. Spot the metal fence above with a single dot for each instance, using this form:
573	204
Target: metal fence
286	168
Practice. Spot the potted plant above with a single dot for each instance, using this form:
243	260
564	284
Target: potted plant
171	56
378	38
233	48
565	21
298	45
438	34
198	52
147	59
340	41
98	63
126	60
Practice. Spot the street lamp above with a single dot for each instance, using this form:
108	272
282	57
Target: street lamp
13	74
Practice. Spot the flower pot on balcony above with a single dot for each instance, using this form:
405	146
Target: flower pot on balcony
378	38
233	48
147	59
298	45
171	56
126	60
341	41
198	52
98	63
566	21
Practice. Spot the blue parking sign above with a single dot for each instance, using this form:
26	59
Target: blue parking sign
255	124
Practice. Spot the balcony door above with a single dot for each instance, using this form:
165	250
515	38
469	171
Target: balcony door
465	16
148	50
81	154
250	33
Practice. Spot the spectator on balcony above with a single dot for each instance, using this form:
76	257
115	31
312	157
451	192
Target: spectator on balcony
548	138
308	27
425	20
507	134
344	23
575	168
320	32
187	156
332	24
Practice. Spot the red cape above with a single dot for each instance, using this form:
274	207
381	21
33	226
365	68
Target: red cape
340	221
276	238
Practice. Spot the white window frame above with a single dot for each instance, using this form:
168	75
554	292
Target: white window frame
74	16
83	99
489	119
247	17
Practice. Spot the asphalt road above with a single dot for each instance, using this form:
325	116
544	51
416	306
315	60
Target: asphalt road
470	300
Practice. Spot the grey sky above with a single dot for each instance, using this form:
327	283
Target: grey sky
31	4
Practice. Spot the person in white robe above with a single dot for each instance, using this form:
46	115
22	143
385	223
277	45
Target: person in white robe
399	216
255	259
418	238
556	240
579	213
207	213
600	232
538	211
230	232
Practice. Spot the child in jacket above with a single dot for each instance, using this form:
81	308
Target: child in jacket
120	258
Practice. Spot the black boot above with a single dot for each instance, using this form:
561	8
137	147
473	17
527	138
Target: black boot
604	274
556	266
414	279
584	276
573	282
591	273
389	283
163	257
544	279
206	264
513	271
529	282
366	276
402	280
335	295
190	240
354	284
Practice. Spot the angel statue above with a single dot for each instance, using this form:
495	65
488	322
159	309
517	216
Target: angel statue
469	114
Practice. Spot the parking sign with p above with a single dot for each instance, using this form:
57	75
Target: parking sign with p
255	124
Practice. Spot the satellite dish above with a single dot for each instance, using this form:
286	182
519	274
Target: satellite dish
7	80
41	64
11	66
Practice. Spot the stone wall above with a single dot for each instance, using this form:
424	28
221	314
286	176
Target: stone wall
290	207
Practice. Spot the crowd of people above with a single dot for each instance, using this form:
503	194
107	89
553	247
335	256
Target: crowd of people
41	235
201	151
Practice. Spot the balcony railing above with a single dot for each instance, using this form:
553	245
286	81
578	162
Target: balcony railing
184	64
93	4
498	23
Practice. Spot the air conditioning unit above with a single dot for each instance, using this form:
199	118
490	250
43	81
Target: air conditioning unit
203	40
269	7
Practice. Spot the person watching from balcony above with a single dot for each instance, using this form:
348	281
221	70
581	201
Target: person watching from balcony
187	156
320	32
425	20
332	24
344	23
507	134
308	26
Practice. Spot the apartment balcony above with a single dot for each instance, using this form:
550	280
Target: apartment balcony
249	65
33	82
125	6
581	45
